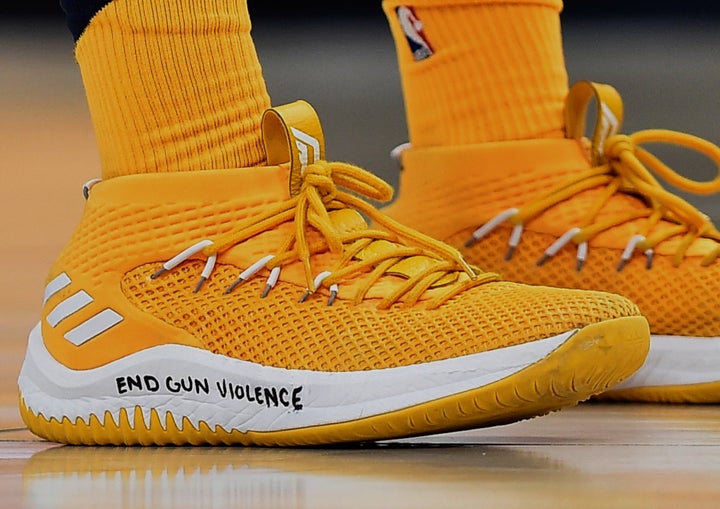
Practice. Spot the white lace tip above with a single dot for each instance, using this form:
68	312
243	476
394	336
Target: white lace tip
209	266
489	226
582	252
158	273
561	242
396	153
187	253
234	285
255	267
333	294
509	254
271	282
650	254
305	296
545	257
629	249
514	240
88	185
199	284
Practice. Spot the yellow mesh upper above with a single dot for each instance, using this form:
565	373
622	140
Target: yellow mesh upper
280	331
607	193
680	300
133	224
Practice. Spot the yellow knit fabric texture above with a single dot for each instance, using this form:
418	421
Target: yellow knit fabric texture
118	245
691	313
279	331
175	86
496	71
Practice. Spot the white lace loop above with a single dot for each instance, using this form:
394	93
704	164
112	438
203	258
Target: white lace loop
249	272
556	246
490	226
630	249
88	185
327	188
181	257
316	284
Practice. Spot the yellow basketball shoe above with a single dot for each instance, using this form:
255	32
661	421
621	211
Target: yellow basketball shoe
230	307
588	215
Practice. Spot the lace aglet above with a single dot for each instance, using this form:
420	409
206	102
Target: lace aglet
629	249
581	256
492	224
545	257
234	285
305	296
649	262
199	284
271	282
514	241
509	254
333	294
158	273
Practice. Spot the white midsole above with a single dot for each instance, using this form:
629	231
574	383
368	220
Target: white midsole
677	360
279	399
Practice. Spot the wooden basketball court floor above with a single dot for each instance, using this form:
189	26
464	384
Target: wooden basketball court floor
593	455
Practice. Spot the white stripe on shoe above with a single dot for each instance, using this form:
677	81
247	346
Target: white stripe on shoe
71	305
88	329
94	326
58	283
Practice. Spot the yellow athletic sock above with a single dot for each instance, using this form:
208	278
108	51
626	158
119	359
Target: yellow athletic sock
174	85
480	70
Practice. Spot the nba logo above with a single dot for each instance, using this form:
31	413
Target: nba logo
413	29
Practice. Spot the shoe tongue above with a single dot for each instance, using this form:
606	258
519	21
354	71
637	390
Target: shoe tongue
292	135
349	220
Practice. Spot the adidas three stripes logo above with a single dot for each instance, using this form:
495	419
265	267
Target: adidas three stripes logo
90	328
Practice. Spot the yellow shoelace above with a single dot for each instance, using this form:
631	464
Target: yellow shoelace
628	168
371	251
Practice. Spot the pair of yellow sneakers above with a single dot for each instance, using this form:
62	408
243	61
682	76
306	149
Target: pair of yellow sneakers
276	306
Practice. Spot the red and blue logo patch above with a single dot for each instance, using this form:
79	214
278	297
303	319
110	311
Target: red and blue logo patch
413	28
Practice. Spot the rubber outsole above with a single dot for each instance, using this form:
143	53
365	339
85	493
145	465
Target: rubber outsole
704	393
592	360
